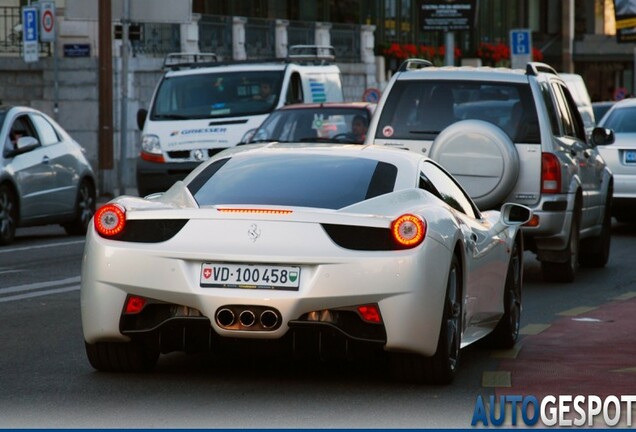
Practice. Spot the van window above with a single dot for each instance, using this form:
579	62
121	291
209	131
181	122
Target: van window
295	90
217	95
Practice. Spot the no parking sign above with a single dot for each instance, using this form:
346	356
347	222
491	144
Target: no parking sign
371	95
47	21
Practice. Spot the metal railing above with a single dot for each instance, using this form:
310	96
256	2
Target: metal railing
345	38
301	33
157	39
260	37
215	35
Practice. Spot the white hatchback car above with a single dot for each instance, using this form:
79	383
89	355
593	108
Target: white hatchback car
621	157
44	176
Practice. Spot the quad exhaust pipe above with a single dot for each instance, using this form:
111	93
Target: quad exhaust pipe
254	318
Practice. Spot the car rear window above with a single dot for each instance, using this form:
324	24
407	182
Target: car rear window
622	120
305	180
311	124
421	109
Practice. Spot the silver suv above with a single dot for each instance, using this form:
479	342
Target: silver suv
509	136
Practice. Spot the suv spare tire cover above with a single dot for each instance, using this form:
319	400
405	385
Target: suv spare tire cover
481	157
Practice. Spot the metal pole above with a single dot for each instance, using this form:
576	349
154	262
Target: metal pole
56	87
449	57
125	23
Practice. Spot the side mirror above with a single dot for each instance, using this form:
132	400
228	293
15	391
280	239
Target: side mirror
141	118
247	136
602	136
515	214
24	145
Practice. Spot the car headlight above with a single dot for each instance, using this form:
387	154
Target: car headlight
150	144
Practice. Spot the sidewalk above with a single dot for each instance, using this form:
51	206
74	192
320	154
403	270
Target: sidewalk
587	352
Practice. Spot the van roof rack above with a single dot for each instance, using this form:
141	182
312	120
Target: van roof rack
309	53
414	64
177	60
304	54
534	68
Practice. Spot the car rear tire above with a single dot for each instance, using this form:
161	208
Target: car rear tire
84	209
505	335
565	271
121	356
8	215
595	251
440	368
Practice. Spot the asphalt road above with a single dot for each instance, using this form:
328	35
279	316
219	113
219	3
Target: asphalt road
46	381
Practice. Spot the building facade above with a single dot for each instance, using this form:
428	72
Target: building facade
571	35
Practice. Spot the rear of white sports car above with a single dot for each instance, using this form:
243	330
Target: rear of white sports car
317	251
171	274
262	276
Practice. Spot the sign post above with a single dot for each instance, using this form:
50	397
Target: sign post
448	16
520	48
30	34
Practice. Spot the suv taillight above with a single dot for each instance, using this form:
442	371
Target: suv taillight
550	173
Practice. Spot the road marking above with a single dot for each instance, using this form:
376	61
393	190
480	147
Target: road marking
533	329
632	369
496	379
577	311
38	294
506	354
23	248
626	296
11	271
36	289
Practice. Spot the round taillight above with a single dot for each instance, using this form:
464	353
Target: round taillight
408	230
110	220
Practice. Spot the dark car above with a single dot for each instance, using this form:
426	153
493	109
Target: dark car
339	122
44	175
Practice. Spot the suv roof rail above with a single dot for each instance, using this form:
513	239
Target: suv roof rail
534	68
414	64
188	59
321	53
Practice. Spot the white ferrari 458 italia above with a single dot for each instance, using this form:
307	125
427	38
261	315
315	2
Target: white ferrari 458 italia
314	250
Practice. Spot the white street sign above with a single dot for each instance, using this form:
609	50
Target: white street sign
47	21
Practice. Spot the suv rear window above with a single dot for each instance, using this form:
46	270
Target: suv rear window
421	109
310	180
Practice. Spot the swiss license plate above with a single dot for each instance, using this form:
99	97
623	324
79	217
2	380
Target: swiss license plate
630	156
215	275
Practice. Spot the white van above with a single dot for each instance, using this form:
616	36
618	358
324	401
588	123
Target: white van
578	89
201	107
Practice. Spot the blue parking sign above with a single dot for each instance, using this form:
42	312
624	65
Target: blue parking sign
30	24
520	42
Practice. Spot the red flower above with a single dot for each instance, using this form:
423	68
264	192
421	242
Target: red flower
402	52
492	54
